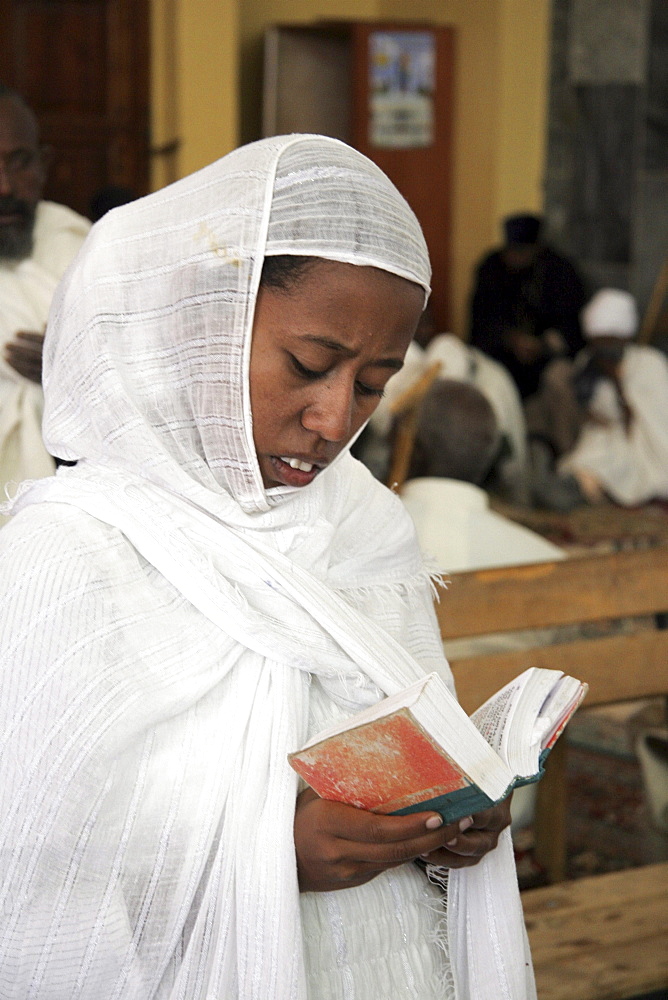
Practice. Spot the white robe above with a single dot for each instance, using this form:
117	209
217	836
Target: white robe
26	290
632	467
457	529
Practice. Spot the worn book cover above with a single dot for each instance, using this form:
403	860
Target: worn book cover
416	750
390	765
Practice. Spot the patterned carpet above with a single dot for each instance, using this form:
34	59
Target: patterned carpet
609	823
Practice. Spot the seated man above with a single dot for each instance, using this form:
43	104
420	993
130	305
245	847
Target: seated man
38	239
456	442
622	389
526	303
466	364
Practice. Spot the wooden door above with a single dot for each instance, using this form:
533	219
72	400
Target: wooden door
83	66
422	172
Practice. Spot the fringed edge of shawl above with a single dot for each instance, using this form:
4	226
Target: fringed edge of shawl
428	577
440	937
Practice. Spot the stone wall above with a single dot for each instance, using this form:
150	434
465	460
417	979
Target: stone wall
606	181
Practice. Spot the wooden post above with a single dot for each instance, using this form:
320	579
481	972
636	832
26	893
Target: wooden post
550	823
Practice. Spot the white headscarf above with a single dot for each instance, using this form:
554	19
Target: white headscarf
611	312
160	650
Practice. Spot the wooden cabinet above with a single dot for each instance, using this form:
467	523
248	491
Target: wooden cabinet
83	67
323	78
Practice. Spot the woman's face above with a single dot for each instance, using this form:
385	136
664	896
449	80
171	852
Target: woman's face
321	355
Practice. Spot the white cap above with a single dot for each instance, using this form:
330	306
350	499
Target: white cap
610	313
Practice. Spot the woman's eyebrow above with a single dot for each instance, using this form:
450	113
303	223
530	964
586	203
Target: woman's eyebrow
333	345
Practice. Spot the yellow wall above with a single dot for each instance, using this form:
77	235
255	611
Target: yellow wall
500	95
523	107
500	120
194	89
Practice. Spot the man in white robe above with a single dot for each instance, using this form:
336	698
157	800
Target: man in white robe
622	450
466	364
38	239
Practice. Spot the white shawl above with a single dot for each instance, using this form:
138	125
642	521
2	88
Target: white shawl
166	613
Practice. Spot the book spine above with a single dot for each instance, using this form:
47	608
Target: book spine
454	805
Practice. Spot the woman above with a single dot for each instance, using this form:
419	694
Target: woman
213	581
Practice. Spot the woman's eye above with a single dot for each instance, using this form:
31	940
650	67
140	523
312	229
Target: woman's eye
305	372
313	374
367	390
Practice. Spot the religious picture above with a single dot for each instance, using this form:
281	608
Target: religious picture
402	82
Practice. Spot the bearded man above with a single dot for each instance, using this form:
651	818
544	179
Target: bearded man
38	239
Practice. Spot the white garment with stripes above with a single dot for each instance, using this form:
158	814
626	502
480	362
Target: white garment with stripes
165	620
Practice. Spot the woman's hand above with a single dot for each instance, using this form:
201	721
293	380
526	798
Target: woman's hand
24	354
339	846
475	840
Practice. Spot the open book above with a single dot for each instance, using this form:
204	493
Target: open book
418	750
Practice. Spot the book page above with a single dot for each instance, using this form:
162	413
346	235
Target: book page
494	717
527	716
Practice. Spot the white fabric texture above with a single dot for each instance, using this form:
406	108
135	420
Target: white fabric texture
631	466
457	529
610	313
168	616
26	290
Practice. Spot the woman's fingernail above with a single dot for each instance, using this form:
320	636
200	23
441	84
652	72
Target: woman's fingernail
434	822
465	823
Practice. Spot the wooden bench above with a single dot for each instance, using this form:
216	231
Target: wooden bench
602	937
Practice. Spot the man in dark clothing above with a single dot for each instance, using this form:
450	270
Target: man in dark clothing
526	304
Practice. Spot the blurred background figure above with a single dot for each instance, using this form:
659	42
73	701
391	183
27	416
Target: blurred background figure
38	239
508	476
457	442
622	391
509	473
526	304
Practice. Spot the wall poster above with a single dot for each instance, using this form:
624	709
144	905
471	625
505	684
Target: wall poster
402	72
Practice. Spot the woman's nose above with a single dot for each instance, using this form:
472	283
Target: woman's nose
330	413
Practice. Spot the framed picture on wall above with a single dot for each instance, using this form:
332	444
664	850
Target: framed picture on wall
402	82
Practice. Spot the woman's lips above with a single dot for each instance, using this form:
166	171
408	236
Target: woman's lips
293	471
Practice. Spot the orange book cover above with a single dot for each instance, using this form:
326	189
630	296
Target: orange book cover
384	766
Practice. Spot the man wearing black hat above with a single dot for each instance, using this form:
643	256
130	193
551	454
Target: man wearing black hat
525	305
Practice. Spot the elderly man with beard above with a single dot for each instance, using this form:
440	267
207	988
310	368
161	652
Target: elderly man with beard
38	239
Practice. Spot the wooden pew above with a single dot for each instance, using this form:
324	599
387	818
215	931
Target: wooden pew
617	667
602	937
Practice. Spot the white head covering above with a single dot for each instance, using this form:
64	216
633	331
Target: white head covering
610	313
147	355
162	648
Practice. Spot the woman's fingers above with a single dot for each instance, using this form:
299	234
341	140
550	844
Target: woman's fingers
339	846
475	839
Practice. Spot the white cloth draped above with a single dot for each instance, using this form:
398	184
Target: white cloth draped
632	467
456	528
167	614
26	290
